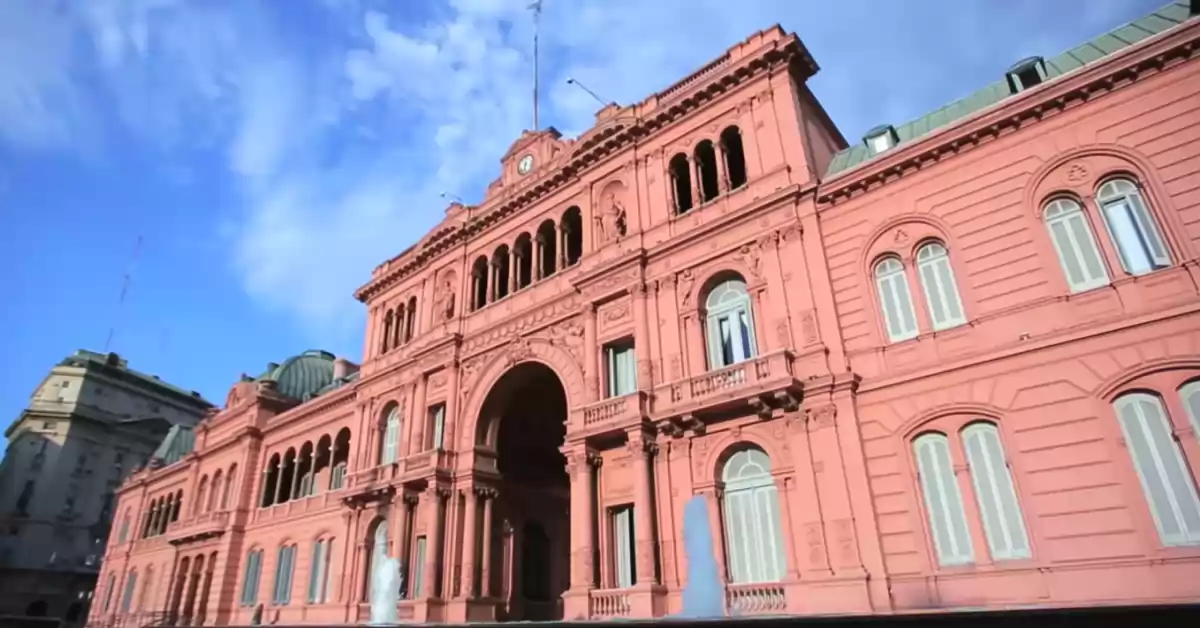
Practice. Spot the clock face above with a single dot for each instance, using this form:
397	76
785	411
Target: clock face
525	165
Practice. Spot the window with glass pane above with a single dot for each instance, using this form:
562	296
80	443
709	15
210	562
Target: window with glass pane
391	437
624	562
1166	481
753	534
1189	393
622	368
109	591
894	296
1134	233
124	532
941	292
1075	245
437	426
943	501
995	492
251	577
283	575
729	324
337	476
127	596
314	572
418	567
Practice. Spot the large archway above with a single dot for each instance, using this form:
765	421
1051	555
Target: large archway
523	420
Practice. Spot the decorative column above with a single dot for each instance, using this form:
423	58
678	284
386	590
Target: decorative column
581	465
452	399
514	265
722	168
643	448
491	280
434	494
641	342
469	552
591	362
488	495
419	416
563	230
539	244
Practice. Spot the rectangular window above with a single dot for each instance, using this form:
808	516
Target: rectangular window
108	591
127	596
437	426
624	563
418	568
124	532
622	368
251	577
391	441
326	571
314	572
283	575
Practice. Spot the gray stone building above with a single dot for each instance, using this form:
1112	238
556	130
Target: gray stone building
90	423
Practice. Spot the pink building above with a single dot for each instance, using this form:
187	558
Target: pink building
953	364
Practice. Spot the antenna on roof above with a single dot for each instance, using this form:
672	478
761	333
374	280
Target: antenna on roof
571	81
126	280
536	7
453	197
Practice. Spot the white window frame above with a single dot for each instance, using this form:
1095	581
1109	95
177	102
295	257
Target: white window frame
621	360
1189	395
1131	227
947	516
895	300
418	566
1075	244
728	307
753	531
318	572
337	476
1159	462
284	570
995	492
437	433
391	437
942	299
624	553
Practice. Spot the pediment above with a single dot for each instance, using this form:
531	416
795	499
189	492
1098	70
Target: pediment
533	153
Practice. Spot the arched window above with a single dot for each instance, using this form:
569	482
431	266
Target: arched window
410	324
681	182
1132	228
753	535
1189	393
123	534
144	600
109	589
201	496
735	157
1166	482
706	171
215	492
1075	244
285	566
896	299
377	551
943	500
250	578
387	332
127	595
995	492
729	323
941	292
390	447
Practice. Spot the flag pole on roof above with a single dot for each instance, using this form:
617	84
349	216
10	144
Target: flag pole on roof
536	7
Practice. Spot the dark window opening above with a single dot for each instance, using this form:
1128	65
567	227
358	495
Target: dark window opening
411	324
735	157
681	178
387	331
479	283
706	170
572	222
500	270
524	252
547	241
1026	73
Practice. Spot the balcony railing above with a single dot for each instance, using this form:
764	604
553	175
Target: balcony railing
423	463
615	412
203	525
766	379
755	599
606	603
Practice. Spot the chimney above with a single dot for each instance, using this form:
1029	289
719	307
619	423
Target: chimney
343	368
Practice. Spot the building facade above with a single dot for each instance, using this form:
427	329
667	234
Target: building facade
956	364
90	422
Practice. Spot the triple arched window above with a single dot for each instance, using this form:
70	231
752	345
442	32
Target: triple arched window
1127	221
991	485
729	323
936	277
753	529
1159	461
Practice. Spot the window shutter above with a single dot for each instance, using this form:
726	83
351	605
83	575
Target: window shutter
995	493
943	501
1164	477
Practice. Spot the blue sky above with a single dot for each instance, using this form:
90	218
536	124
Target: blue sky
271	153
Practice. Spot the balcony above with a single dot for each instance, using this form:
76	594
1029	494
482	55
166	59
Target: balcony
759	384
205	525
614	414
422	464
769	598
609	603
301	505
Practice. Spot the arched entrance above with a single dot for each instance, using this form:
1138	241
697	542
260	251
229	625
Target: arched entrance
524	421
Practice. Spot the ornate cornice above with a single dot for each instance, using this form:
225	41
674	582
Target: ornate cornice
615	134
1017	112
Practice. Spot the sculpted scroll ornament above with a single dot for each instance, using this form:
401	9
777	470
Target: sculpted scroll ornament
518	351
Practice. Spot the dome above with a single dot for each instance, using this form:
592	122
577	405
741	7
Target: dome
302	376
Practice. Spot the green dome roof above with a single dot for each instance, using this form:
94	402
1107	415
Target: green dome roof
302	376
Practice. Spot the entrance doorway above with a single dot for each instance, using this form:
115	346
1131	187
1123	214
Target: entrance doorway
524	421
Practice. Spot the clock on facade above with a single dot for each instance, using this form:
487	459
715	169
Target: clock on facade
525	165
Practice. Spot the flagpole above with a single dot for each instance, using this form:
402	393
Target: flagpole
536	7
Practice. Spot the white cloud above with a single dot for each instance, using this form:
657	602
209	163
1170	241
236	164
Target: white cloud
341	144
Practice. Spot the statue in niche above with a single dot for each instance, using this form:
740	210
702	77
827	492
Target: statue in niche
611	220
446	299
